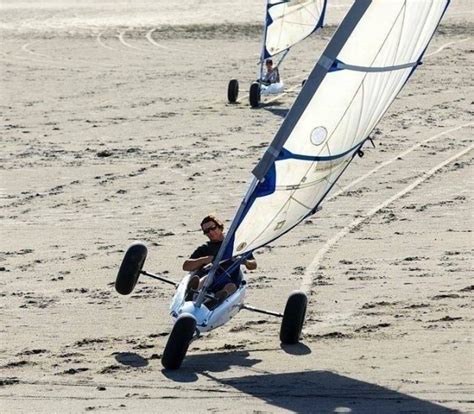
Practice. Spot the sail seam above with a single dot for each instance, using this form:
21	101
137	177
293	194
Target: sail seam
300	203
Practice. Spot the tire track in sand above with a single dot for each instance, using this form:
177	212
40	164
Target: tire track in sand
314	265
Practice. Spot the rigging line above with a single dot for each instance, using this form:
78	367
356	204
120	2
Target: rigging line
301	203
382	46
319	10
306	7
314	265
400	35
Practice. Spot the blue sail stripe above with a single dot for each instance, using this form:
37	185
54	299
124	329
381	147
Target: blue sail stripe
286	155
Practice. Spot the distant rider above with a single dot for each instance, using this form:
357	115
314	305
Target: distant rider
272	75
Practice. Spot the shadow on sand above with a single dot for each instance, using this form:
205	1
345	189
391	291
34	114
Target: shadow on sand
212	362
326	392
281	112
131	359
302	392
297	349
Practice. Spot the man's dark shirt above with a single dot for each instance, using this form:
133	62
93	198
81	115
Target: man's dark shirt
211	249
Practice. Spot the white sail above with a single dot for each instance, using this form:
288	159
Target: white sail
290	21
367	62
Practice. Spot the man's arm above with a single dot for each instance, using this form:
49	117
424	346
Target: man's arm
191	265
277	77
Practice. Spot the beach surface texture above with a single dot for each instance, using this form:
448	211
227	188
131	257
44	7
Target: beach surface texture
115	127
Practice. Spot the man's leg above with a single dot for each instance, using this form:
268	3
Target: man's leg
193	285
225	292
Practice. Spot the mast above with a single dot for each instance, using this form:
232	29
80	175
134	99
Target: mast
264	41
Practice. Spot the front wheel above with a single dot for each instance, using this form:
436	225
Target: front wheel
233	90
293	318
178	341
254	94
132	264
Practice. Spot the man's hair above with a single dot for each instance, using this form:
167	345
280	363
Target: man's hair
214	219
269	61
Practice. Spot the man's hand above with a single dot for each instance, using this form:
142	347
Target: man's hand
208	259
251	264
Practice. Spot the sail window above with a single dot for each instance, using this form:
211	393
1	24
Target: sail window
318	136
241	246
280	225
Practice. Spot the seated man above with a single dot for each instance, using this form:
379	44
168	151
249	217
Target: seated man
272	75
224	283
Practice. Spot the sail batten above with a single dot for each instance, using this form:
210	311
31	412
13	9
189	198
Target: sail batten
341	66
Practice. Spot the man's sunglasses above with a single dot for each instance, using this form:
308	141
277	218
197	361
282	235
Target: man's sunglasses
209	229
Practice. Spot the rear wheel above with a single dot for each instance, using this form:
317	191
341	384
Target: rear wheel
130	268
178	342
233	90
254	94
293	318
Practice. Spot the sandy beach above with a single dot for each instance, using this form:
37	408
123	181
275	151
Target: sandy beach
115	128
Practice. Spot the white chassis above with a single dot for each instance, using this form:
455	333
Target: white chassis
272	89
189	320
206	319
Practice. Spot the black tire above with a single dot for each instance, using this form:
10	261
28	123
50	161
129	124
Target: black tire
254	94
132	264
303	82
233	90
178	341
293	318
